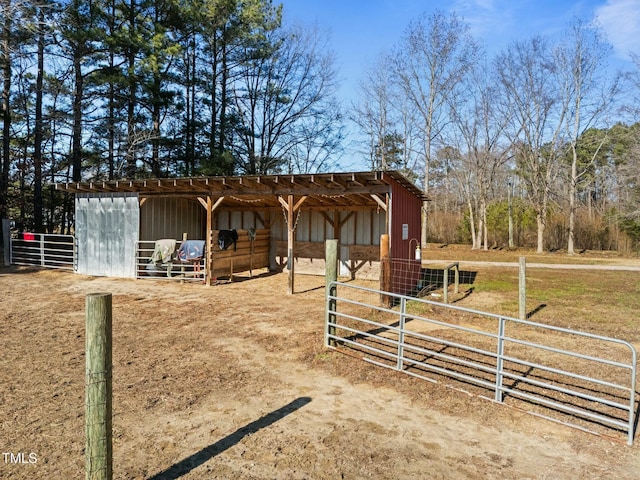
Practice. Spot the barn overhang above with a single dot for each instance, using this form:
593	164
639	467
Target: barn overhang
335	190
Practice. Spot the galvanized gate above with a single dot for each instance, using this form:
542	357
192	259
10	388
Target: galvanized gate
43	250
579	379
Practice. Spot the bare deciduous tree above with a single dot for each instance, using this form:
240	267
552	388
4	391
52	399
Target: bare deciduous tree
373	112
480	126
281	99
588	94
537	113
435	55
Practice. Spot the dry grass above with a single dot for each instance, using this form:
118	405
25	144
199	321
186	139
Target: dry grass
599	300
465	253
193	365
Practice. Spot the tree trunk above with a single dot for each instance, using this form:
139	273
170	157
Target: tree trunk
76	142
472	225
130	154
541	227
572	201
485	230
111	129
214	98
223	101
6	112
510	206
425	205
155	144
37	141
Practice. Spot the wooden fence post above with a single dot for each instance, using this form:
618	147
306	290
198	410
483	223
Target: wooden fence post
445	285
331	275
6	240
386	277
522	289
98	451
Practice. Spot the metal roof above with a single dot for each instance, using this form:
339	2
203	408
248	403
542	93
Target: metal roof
322	190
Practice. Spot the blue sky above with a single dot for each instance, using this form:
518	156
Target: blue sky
360	31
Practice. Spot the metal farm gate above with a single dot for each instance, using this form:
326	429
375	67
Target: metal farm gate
575	378
43	250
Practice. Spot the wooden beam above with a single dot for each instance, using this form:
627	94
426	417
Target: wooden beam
217	204
345	219
379	201
259	218
203	202
355	180
299	203
328	219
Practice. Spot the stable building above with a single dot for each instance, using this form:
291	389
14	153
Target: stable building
280	221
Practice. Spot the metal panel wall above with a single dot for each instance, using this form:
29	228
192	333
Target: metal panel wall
404	229
106	234
406	209
239	220
168	217
364	227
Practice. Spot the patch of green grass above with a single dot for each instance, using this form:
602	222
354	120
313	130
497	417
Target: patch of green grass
498	285
605	301
546	290
627	298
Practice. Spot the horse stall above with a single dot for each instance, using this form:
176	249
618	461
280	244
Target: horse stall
248	253
240	247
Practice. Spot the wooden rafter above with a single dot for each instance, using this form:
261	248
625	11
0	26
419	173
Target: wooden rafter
322	190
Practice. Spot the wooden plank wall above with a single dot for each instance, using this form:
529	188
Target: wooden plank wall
370	253
362	260
244	257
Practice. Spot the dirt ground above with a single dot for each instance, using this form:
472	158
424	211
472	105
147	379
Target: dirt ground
233	382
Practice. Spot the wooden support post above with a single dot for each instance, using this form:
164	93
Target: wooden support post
445	286
290	243
457	278
209	242
185	237
385	271
98	450
522	289
6	240
331	275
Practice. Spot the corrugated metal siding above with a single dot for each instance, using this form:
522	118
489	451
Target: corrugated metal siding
167	217
106	234
240	220
363	228
405	209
